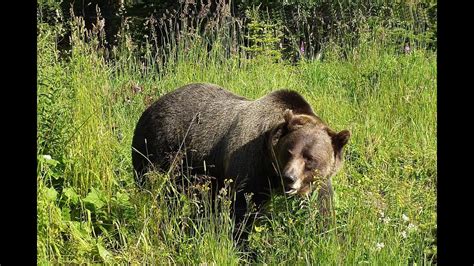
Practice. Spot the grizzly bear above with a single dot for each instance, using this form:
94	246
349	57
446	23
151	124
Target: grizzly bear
273	143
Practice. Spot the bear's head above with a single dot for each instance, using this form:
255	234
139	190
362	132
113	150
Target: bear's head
306	151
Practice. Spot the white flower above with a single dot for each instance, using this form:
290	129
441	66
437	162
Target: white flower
386	220
404	234
379	246
405	218
47	157
411	227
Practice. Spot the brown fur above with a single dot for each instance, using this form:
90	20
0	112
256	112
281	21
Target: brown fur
269	143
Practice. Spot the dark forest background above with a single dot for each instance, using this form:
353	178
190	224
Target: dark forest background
291	28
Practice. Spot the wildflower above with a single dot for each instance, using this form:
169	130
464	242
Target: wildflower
412	227
302	47
223	191
290	221
318	56
386	220
259	229
407	48
405	218
47	157
404	234
379	246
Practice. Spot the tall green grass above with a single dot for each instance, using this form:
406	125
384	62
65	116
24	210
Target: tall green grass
90	211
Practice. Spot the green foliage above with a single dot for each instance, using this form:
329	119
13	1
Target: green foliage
49	11
317	23
54	94
263	37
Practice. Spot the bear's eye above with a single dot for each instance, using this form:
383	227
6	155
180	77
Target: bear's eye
310	165
308	157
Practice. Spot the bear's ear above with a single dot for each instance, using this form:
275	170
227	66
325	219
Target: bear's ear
293	121
275	134
288	115
339	140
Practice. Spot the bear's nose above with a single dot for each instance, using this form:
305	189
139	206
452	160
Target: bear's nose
289	178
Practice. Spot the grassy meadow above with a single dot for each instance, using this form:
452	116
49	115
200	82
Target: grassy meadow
90	211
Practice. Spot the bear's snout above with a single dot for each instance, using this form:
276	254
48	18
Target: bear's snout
293	176
289	178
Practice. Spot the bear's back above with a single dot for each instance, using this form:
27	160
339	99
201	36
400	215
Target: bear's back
198	113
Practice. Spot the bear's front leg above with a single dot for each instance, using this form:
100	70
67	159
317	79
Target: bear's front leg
325	201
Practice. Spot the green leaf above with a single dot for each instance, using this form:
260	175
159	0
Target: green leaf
51	194
48	160
122	198
104	254
71	195
94	198
66	213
